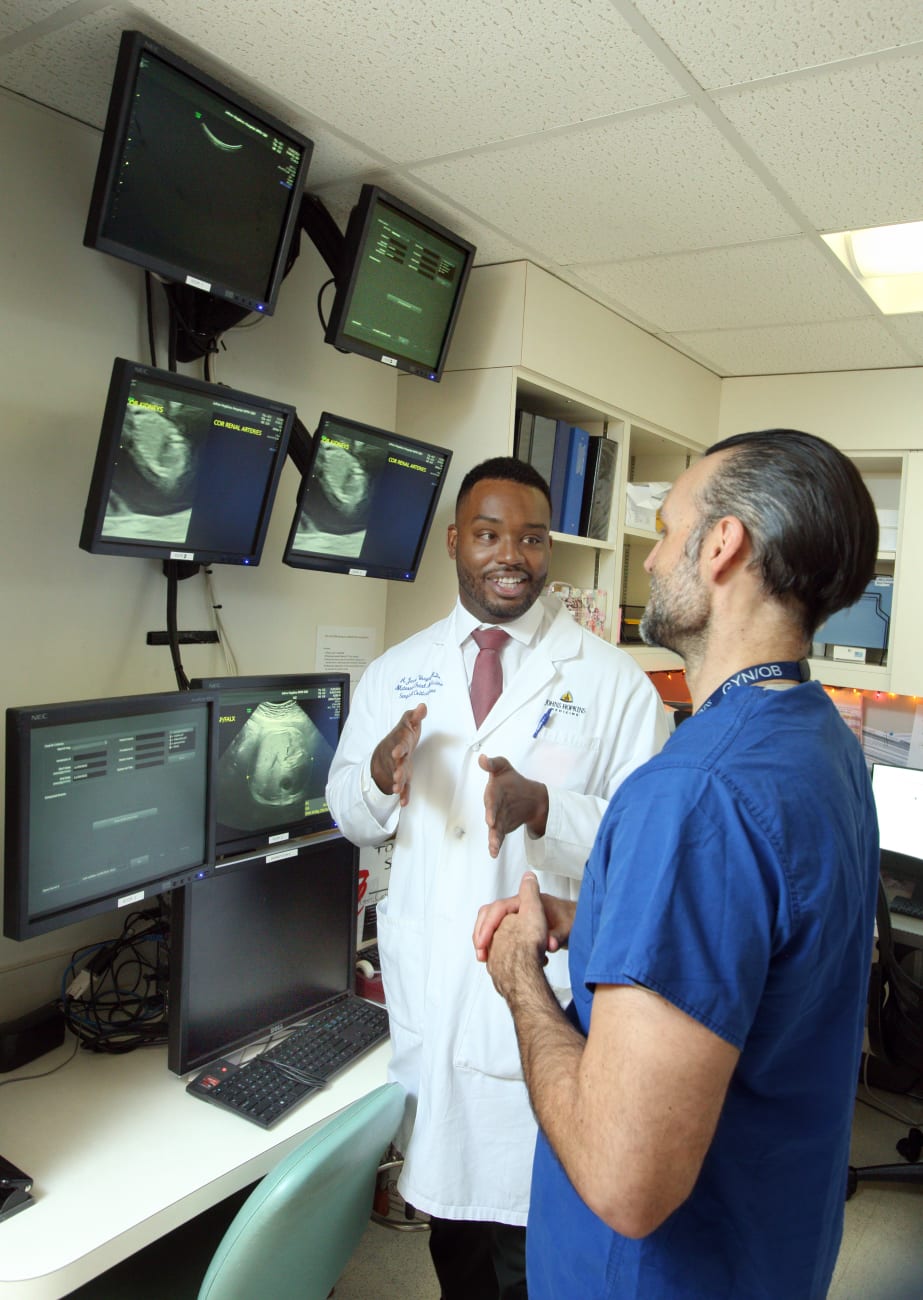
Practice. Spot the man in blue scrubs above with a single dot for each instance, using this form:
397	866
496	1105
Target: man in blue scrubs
695	1100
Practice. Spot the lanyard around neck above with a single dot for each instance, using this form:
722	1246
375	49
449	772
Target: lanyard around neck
786	670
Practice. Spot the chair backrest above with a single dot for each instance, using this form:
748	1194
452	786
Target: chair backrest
294	1234
895	1021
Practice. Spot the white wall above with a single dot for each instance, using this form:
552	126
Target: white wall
75	624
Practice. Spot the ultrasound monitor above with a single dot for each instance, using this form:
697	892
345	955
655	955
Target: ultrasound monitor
257	947
184	470
898	795
195	183
400	286
367	501
276	739
107	804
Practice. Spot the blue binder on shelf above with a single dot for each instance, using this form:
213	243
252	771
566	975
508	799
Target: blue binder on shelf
568	476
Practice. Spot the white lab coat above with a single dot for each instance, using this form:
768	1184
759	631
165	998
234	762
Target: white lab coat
469	1155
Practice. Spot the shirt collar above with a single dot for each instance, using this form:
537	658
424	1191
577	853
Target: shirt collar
522	629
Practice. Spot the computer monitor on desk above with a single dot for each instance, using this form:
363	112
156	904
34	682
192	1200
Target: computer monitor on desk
899	803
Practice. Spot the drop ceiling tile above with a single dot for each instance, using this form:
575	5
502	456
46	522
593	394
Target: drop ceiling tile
617	190
798	349
847	145
69	68
728	42
909	329
783	281
17	15
415	81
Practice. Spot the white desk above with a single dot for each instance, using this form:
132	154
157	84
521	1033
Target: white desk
121	1154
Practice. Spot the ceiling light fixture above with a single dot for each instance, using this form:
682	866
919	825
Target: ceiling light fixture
888	263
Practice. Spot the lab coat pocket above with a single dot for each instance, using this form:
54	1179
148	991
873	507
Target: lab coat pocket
567	759
487	1039
401	948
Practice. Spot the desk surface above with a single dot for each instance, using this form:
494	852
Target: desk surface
121	1154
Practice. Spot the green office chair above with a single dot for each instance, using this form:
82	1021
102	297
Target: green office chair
295	1233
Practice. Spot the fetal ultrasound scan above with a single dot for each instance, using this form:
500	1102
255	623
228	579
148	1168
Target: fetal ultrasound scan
337	503
273	768
153	485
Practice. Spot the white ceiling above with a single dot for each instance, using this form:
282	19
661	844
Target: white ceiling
677	160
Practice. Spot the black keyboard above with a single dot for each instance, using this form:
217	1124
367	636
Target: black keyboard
332	1038
370	954
907	907
266	1088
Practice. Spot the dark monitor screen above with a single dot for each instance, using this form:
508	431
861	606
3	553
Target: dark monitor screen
898	795
107	804
366	502
401	285
258	946
276	740
184	470
194	182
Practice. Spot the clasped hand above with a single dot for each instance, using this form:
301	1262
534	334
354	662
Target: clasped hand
524	928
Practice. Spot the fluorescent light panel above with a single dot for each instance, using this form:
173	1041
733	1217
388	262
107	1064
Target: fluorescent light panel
888	263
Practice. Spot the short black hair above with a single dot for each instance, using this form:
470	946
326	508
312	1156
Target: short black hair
507	468
810	518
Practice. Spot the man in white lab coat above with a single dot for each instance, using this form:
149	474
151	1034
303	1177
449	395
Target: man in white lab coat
470	807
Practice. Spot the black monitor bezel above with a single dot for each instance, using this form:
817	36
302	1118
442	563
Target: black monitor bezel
91	535
180	1059
350	277
353	566
22	722
261	842
132	47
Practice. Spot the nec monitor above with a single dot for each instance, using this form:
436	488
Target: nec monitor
107	804
258	946
898	795
184	470
366	502
276	740
194	183
401	285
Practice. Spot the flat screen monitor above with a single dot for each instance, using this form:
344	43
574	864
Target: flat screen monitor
276	740
898	795
195	183
108	803
184	470
258	946
366	502
400	287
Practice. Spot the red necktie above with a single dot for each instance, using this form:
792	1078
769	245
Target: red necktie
487	678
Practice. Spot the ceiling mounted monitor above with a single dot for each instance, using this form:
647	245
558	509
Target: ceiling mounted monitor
401	285
195	183
366	502
184	470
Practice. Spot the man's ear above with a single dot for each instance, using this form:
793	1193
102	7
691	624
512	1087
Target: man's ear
451	540
726	545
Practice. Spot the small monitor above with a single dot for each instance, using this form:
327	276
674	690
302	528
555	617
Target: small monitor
194	183
400	287
258	947
898	795
366	502
108	803
276	740
184	470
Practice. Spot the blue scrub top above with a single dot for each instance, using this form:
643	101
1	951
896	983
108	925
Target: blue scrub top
735	874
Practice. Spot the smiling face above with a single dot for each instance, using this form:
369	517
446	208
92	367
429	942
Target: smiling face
501	547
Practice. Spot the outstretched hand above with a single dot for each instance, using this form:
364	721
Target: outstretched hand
510	801
392	761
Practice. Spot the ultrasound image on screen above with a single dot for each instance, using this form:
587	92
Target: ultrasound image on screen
201	187
154	480
337	502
